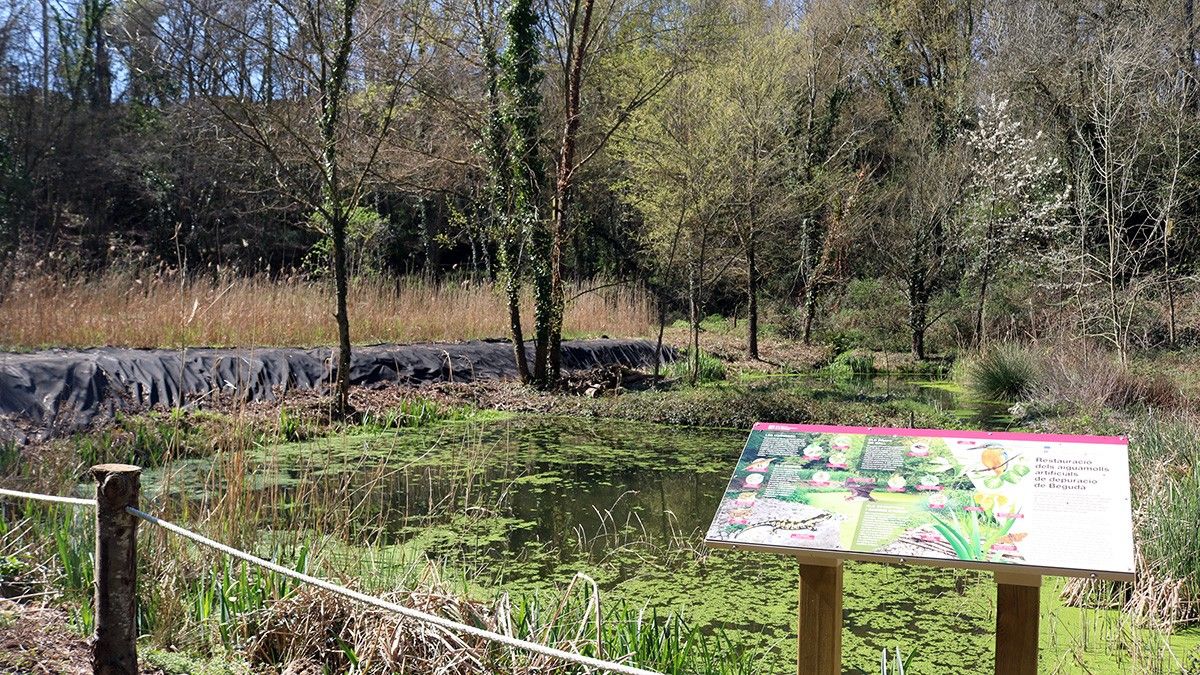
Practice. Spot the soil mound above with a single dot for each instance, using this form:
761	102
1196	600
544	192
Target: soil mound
58	391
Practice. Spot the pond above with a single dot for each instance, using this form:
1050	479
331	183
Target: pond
521	504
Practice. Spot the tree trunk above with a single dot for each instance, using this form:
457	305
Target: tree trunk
268	71
543	304
918	311
694	320
342	316
752	298
45	54
1171	337
981	301
336	209
658	344
810	311
564	177
513	291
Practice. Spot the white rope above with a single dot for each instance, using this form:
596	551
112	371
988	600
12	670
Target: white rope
47	498
392	607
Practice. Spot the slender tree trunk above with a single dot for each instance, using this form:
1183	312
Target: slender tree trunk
564	178
45	54
662	306
513	291
268	72
694	320
752	297
981	300
335	206
1171	337
658	344
918	311
342	315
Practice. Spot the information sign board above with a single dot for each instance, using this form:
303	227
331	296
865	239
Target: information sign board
1031	503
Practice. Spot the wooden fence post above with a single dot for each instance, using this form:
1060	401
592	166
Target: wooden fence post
114	646
1017	621
819	624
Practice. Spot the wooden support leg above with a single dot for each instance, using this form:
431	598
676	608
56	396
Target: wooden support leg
1017	615
820	619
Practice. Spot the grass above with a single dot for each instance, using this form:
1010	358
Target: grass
1002	373
850	364
1165	458
709	368
130	309
194	600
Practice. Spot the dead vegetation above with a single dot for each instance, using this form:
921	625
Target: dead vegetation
161	309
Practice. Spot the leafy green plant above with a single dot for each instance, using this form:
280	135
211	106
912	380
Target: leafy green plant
708	368
974	538
849	364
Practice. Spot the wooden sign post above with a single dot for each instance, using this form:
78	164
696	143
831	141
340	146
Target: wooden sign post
1017	621
819	625
1019	505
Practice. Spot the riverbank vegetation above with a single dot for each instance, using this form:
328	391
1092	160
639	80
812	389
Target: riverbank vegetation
896	184
161	308
426	502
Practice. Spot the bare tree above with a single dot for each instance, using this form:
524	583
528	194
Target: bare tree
333	78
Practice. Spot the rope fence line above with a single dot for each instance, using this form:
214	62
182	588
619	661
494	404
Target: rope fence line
446	624
76	501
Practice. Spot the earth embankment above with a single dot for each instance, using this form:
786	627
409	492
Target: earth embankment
58	391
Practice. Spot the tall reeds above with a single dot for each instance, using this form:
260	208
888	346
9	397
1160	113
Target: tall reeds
131	309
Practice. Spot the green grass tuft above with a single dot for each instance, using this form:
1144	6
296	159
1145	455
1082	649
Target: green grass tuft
1003	373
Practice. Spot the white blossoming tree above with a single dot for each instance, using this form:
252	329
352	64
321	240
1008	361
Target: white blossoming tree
1017	194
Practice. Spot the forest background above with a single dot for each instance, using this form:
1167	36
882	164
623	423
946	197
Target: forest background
915	175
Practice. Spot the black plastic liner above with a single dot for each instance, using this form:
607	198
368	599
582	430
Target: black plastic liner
58	391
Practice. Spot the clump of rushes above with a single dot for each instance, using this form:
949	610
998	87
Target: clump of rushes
708	368
297	631
849	364
1002	373
1164	453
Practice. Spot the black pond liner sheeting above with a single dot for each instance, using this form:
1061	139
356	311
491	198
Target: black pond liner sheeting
57	391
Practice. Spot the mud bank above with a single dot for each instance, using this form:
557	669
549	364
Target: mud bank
58	391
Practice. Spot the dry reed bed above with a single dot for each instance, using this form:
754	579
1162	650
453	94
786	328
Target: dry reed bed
161	310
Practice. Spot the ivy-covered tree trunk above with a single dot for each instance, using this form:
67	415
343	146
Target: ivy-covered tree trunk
520	77
509	236
918	312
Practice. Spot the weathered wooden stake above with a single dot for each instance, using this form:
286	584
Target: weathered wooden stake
819	628
114	646
1017	617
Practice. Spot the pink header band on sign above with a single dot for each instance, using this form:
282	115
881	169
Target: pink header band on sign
941	433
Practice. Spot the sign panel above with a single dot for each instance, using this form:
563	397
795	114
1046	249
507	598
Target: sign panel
1042	504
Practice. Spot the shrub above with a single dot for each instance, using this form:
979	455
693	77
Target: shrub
1083	376
1003	373
867	313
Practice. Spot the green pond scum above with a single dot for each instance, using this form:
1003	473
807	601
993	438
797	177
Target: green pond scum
522	503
